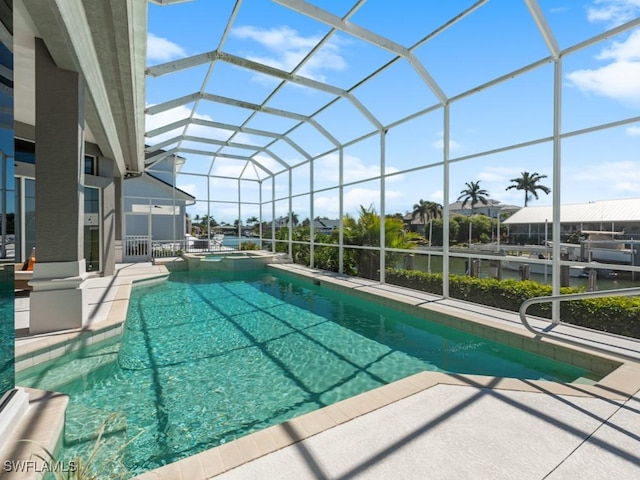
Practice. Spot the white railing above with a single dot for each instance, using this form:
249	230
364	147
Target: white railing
141	248
137	248
169	248
621	292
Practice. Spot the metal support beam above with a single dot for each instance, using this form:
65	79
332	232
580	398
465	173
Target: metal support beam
166	128
215	55
445	202
161	145
341	210
544	28
312	227
260	215
273	214
555	235
173	103
379	41
151	161
290	215
181	64
209	153
383	237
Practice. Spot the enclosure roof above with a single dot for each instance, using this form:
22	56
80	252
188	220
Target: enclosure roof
238	86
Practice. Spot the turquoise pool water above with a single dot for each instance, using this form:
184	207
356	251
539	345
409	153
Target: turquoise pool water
206	358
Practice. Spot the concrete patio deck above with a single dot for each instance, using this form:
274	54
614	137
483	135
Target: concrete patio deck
432	425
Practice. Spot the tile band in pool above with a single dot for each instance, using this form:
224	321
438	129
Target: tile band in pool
206	358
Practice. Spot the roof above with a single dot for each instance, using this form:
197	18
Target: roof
185	194
493	204
623	210
326	223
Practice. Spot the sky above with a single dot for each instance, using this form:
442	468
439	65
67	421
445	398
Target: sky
600	84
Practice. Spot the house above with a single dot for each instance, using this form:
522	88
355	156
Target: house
325	225
492	209
623	215
153	206
79	130
72	79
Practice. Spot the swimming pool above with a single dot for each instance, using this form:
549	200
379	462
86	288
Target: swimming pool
206	358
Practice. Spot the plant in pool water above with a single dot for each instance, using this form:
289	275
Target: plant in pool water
95	465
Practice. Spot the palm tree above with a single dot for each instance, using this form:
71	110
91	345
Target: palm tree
366	231
426	211
473	194
529	183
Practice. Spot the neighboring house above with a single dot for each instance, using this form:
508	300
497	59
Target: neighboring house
154	207
321	225
326	225
415	224
528	224
492	209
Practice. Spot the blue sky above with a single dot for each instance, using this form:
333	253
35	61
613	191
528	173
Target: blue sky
600	84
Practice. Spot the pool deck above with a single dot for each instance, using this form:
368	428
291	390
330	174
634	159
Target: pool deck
429	425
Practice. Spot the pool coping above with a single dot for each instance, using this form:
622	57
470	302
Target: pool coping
223	458
488	322
618	385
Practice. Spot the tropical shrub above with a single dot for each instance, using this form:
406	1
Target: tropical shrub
248	245
620	315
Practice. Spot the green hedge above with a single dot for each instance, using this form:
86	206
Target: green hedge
619	315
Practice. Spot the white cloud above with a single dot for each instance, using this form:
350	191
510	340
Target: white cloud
618	177
180	113
559	10
613	12
453	145
232	170
326	169
625	51
287	48
617	80
436	196
162	50
190	188
498	174
269	163
633	131
328	205
620	78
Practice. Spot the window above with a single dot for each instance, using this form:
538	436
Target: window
90	165
25	151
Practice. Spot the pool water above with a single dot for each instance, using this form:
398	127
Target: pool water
207	357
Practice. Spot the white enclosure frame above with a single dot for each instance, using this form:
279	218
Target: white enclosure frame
266	177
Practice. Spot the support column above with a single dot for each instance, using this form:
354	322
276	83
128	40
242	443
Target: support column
58	298
118	205
109	217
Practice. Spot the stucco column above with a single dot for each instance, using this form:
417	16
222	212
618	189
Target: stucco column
109	220
119	216
58	298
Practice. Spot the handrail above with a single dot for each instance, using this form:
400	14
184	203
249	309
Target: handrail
621	292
